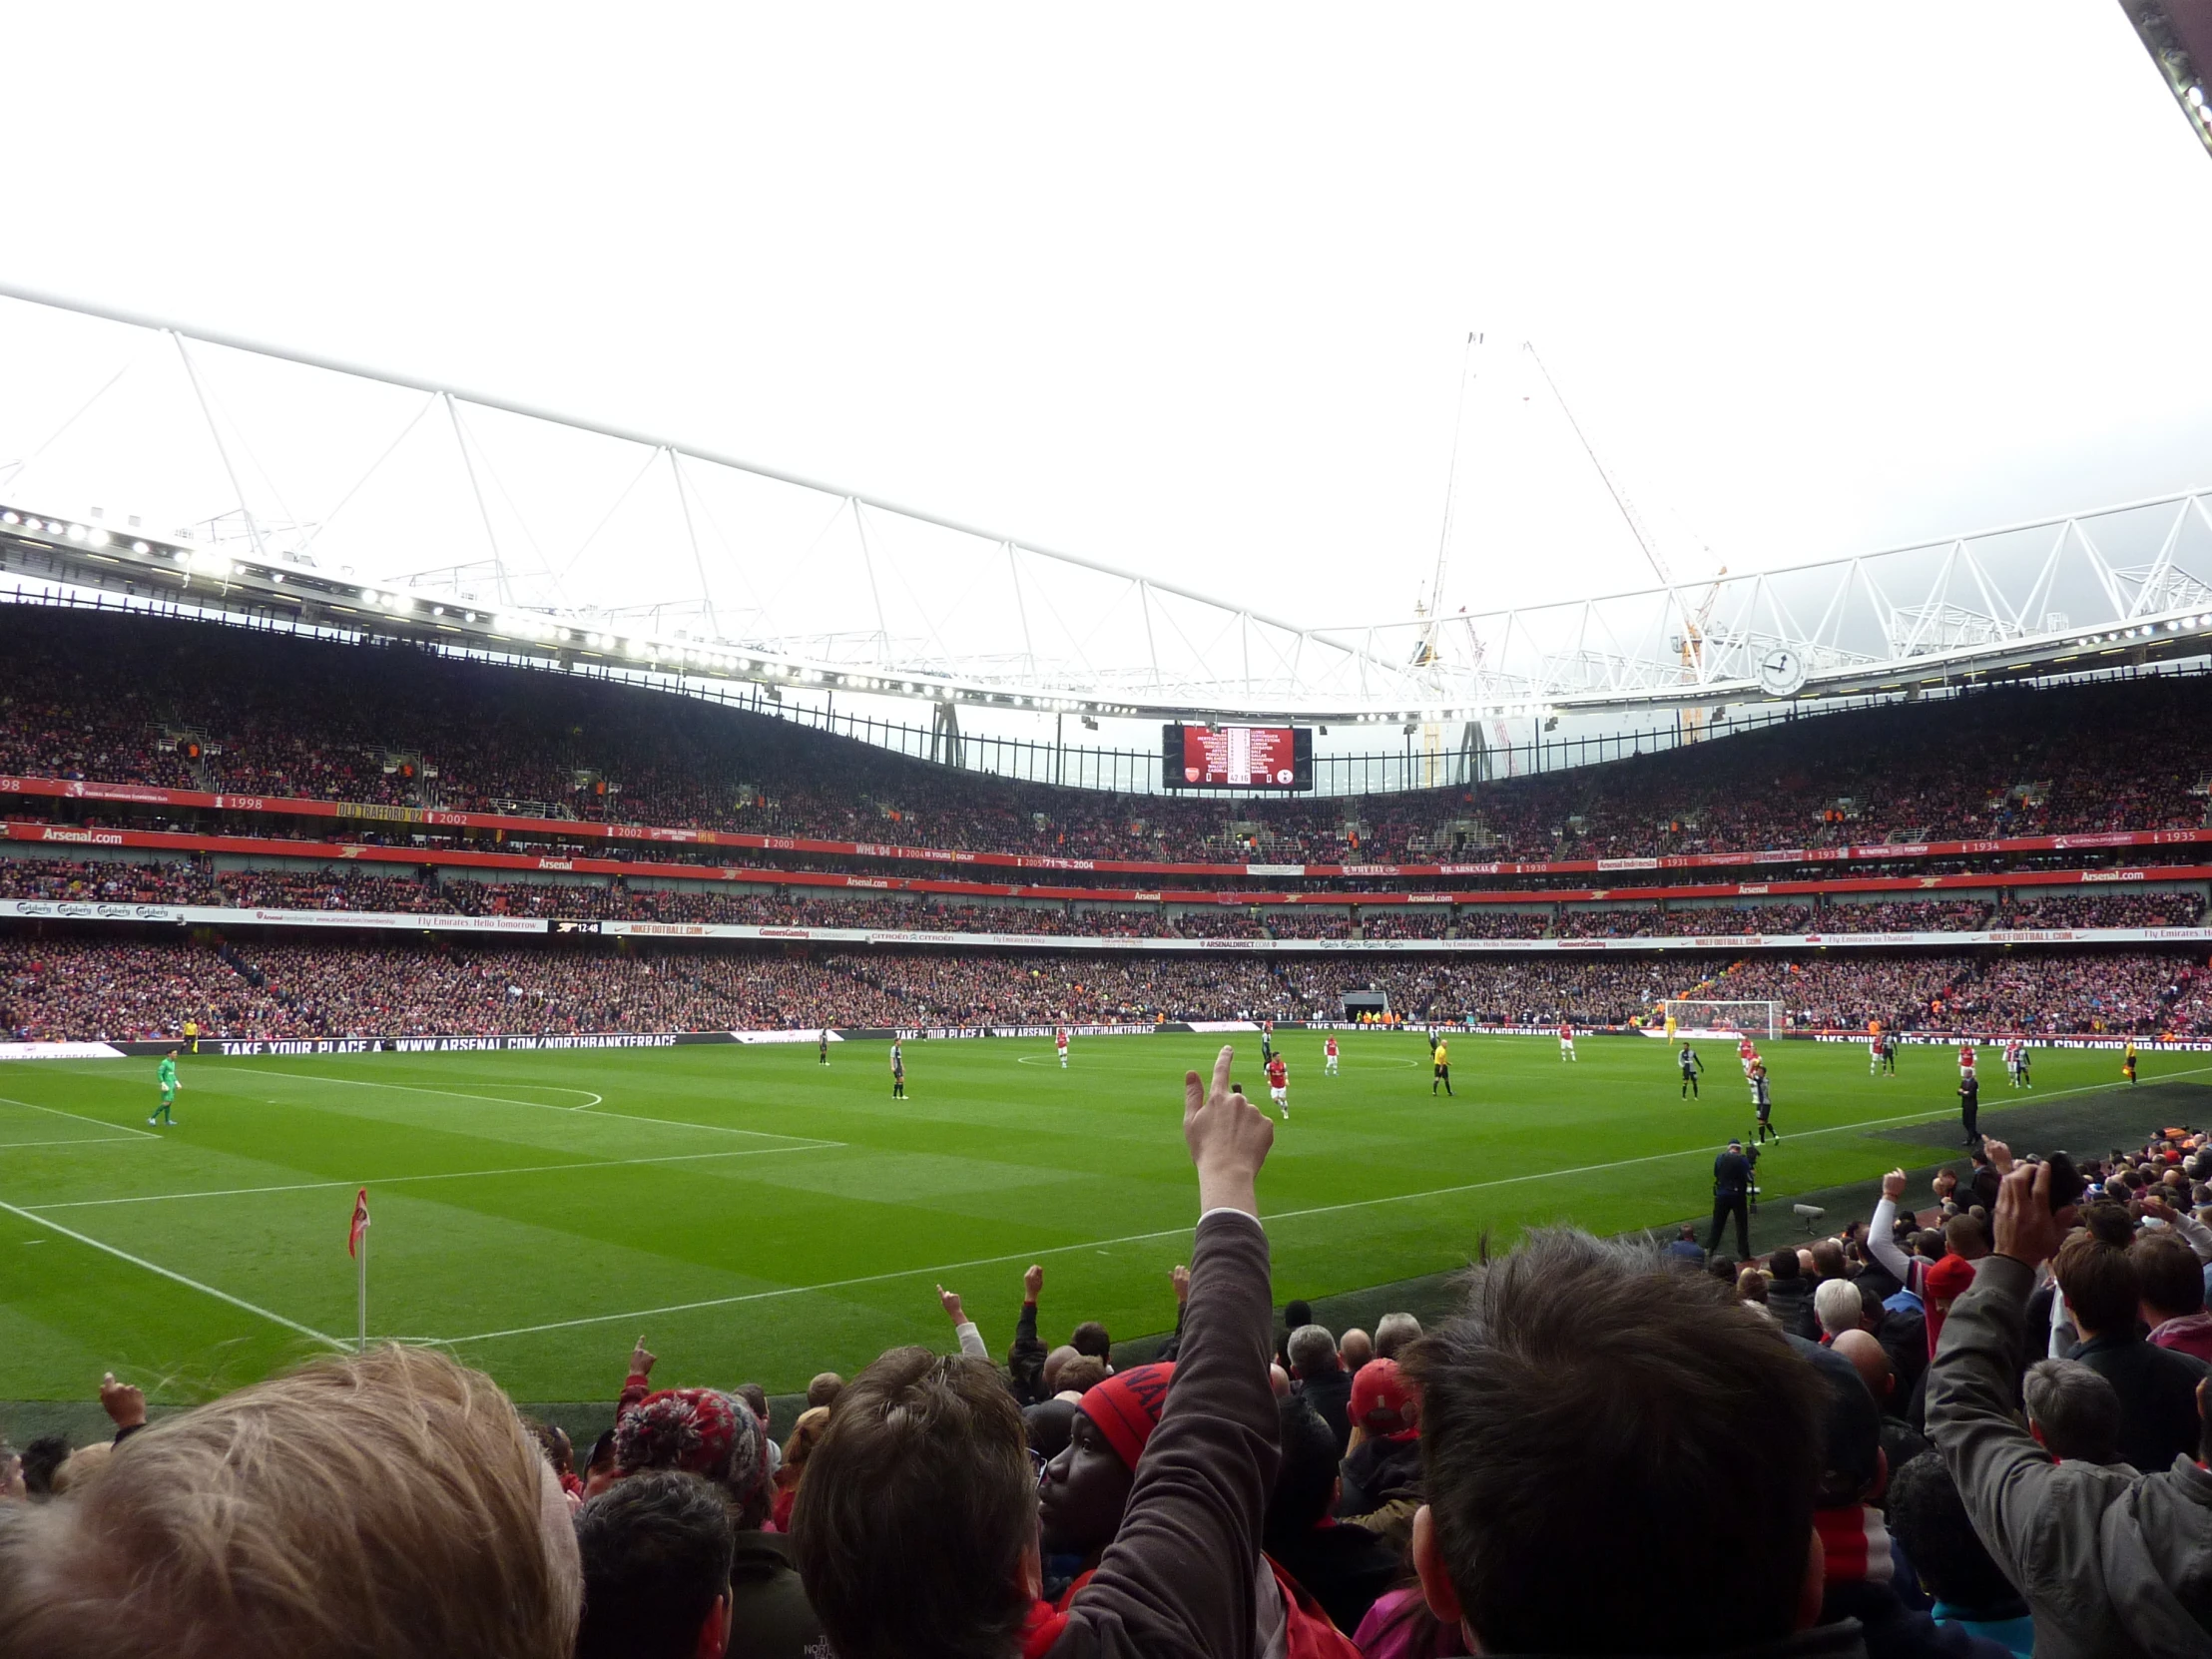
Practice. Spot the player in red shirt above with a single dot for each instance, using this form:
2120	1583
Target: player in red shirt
1747	1054
1278	1086
1566	1041
1060	1042
1329	1055
1966	1058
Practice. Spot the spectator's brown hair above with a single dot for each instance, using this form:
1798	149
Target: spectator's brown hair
1081	1374
823	1390
1965	1235
2074	1412
2101	1284
918	1509
2168	1274
1583	1379
387	1504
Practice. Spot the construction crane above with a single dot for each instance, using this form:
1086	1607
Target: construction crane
1690	643
1432	613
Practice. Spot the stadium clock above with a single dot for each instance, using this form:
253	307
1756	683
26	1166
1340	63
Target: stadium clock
1782	672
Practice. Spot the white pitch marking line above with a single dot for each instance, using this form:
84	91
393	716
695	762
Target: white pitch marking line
177	1277
75	1140
454	1175
1178	1231
143	1134
503	1100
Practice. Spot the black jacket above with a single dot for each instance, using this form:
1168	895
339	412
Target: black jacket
1025	1359
769	1616
1379	1472
1731	1174
2158	1398
1329	1393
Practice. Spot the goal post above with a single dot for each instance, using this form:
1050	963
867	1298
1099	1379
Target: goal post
1715	1019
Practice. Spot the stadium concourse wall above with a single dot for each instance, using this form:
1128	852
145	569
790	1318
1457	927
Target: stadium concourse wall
213	916
585	829
41	833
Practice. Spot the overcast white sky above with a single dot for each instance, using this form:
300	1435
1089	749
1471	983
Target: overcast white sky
1185	289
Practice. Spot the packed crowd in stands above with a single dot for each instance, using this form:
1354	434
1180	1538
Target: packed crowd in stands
1433	921
60	988
2111	909
1972	1427
181	881
2080	994
128	700
1911	915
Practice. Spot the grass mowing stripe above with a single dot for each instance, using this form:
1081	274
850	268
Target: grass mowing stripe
33	1105
177	1277
1701	1149
450	1175
502	1100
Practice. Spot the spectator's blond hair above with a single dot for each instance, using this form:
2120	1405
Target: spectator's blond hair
389	1504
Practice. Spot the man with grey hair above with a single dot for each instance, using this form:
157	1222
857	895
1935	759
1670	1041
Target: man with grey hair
1321	1380
2073	1411
1392	1331
1837	1305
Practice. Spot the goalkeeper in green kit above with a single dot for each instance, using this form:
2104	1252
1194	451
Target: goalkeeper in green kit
166	1075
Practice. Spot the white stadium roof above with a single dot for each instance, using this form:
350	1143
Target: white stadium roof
141	454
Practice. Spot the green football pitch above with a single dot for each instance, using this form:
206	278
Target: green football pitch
754	1215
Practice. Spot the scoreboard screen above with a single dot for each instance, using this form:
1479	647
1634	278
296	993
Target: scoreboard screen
1237	758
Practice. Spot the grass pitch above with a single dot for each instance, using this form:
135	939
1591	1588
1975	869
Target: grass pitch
757	1215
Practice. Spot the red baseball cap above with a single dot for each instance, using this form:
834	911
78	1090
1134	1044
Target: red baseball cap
1383	1403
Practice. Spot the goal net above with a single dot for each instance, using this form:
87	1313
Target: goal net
1719	1019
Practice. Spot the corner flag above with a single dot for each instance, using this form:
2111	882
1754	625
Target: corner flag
361	1223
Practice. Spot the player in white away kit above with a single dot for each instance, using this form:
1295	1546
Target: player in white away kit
1966	1060
1060	1042
2015	1062
1566	1041
1328	1057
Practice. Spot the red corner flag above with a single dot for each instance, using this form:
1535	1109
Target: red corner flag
360	1222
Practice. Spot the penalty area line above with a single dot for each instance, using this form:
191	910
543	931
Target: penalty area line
740	1299
177	1277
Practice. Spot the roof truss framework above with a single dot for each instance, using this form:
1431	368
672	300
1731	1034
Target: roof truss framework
558	533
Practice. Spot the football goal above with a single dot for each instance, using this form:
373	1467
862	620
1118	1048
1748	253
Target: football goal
1733	1019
